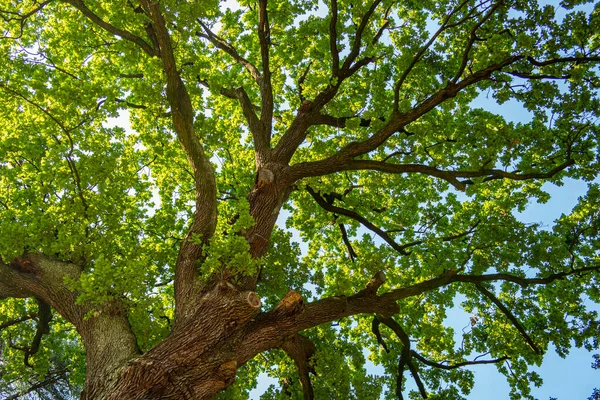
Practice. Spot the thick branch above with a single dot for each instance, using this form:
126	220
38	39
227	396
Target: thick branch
375	329
44	316
328	166
337	307
80	5
510	317
308	111
191	363
396	124
187	285
258	128
405	358
266	87
301	349
106	335
333	37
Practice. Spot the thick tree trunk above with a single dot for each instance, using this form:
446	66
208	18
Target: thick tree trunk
198	360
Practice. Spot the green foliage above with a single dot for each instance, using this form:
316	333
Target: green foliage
119	200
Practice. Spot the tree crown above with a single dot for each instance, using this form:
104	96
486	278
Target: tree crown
354	128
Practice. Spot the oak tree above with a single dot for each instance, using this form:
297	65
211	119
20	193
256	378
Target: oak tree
164	261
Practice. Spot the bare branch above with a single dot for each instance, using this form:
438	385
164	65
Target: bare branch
80	5
457	365
510	317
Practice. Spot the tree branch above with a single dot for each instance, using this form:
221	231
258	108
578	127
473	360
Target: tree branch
337	307
44	316
256	126
296	133
375	329
471	40
42	277
457	365
80	5
560	60
266	87
301	349
22	18
333	37
187	285
222	44
396	124
16	321
444	26
351	214
49	379
338	164
510	317
405	358
340	122
356	43
351	252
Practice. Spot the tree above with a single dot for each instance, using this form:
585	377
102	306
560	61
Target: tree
153	263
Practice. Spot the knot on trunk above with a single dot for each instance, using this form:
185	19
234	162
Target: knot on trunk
264	177
226	372
22	264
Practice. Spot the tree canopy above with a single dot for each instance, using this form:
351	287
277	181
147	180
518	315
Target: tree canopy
305	185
